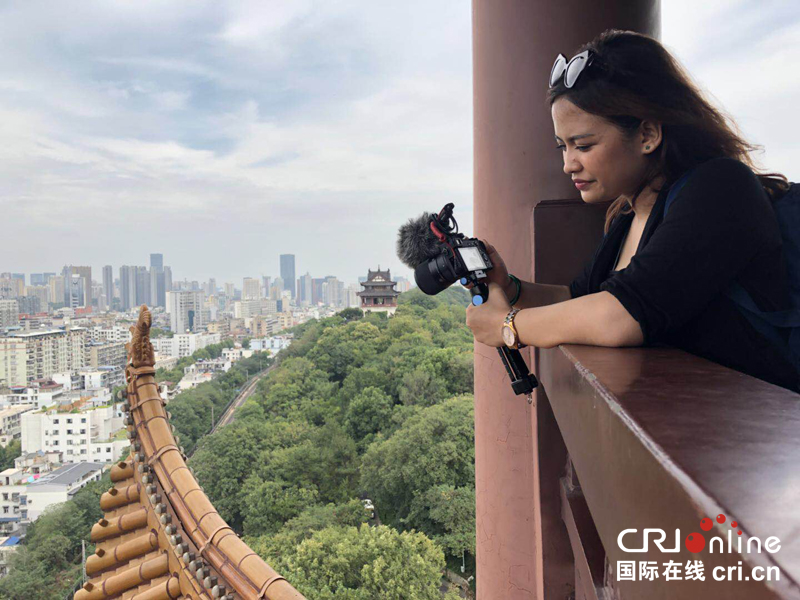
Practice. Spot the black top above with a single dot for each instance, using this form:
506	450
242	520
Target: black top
720	228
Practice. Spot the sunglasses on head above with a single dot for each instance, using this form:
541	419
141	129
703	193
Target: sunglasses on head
570	70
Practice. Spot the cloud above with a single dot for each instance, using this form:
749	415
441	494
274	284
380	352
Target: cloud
225	134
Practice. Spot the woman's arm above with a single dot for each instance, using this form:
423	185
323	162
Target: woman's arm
595	320
537	294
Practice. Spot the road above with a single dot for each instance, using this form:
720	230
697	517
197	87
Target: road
247	390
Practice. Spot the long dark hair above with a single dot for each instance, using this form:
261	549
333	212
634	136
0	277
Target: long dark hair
634	78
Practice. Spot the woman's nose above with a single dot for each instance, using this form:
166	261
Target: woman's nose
571	165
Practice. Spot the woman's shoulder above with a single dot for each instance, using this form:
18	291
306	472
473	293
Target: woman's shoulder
723	165
726	181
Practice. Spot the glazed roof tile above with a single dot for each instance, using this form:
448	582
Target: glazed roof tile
160	537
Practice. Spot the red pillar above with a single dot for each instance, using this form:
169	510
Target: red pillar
516	165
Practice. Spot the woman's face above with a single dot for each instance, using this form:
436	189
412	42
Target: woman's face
596	151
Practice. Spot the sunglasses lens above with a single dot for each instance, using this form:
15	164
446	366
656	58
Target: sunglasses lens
574	69
558	69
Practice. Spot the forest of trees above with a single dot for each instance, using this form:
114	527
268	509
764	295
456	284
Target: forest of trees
357	407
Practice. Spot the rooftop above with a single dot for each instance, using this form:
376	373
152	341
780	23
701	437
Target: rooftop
68	474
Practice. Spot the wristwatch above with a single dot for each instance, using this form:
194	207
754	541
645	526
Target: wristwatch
510	334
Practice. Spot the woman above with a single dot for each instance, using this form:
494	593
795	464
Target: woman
629	124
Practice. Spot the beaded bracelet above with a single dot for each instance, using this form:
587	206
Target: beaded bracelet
519	289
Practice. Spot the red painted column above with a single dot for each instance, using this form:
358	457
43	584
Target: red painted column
516	165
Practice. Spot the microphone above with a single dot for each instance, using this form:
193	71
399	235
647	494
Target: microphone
416	243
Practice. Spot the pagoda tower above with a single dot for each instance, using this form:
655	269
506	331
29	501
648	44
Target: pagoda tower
379	294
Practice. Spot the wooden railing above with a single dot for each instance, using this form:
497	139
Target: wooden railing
638	438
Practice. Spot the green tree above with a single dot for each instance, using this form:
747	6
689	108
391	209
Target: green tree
269	504
341	349
368	413
365	564
447	514
435	446
224	461
314	518
9	453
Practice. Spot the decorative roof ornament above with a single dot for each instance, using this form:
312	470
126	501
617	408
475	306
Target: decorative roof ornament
140	349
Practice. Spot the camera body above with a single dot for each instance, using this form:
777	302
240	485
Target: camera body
461	259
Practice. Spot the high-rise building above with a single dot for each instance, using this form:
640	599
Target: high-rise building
334	291
211	287
57	290
157	261
127	287
11	287
108	284
287	273
42	292
26	356
75	292
251	289
41	278
186	311
85	273
142	286
158	293
230	291
317	291
9	313
265	283
304	286
167	279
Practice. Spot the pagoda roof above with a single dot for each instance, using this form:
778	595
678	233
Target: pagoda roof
160	536
379	275
378	294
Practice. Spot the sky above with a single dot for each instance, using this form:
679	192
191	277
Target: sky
223	134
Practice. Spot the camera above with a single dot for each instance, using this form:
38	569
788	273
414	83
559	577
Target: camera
461	258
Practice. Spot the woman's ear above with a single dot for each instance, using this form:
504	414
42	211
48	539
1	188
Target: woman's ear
650	136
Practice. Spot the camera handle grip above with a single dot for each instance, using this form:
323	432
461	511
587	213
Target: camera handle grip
522	381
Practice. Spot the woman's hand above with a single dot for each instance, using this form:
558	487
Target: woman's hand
498	274
486	321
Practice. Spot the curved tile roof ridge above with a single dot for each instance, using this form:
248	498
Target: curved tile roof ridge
160	536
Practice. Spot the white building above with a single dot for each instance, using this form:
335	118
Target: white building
11	423
245	309
184	344
117	333
40	395
186	312
273	344
25	356
251	289
56	487
91	435
102	377
102	354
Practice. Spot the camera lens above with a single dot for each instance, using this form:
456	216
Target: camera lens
435	275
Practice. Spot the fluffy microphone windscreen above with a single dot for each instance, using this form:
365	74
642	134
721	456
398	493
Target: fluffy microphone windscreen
416	243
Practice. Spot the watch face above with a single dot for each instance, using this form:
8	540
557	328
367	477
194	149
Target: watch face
508	336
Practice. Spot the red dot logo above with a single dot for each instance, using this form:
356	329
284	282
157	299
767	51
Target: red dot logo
720	518
734	524
695	542
706	524
740	532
